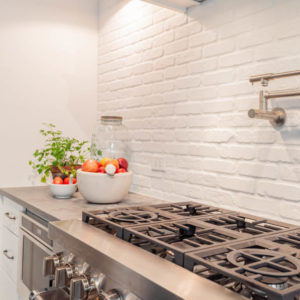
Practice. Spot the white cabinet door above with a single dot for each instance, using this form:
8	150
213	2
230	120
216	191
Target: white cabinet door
8	290
9	254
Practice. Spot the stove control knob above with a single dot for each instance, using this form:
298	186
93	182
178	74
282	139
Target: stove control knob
63	276
110	295
79	288
50	263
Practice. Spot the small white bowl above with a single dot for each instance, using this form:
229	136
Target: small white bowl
63	191
103	188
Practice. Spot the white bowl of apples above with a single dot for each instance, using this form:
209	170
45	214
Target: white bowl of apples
107	181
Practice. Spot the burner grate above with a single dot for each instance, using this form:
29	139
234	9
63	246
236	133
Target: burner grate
246	224
262	267
178	237
188	209
290	238
114	221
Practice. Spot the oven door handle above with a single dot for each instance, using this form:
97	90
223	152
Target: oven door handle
31	235
36	241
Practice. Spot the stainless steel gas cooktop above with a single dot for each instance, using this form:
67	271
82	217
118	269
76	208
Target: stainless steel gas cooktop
174	251
251	256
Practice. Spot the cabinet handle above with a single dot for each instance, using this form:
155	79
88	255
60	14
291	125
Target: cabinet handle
5	252
11	217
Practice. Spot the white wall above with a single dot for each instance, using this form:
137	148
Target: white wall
48	71
181	83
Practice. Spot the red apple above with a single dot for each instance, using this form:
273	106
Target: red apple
123	163
121	170
90	166
101	170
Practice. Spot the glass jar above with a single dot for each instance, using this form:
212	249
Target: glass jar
110	139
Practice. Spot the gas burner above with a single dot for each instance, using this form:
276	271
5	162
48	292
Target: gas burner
132	216
276	283
178	237
247	224
188	209
114	221
265	269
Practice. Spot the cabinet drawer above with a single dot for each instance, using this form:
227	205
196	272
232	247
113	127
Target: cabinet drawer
11	215
9	254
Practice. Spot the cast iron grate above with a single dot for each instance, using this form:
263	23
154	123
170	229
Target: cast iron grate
177	237
290	238
189	209
249	225
257	269
114	221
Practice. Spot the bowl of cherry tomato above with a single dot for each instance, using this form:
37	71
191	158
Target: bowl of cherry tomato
62	189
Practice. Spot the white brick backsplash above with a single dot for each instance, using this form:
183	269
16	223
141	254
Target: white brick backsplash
238	184
217	197
238	152
164	62
219	166
176	21
204	150
216	136
152	77
289	172
203	66
202	121
175	72
216	78
274	154
187	82
153	54
235	59
258	170
282	191
205	179
219	48
163	39
143	68
253	204
255	38
289	210
176	46
188	56
181	83
203	38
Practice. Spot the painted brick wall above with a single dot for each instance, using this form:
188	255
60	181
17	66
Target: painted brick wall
181	83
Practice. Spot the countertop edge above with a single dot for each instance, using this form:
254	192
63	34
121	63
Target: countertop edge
39	200
28	206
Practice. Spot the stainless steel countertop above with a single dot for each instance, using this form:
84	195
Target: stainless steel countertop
40	201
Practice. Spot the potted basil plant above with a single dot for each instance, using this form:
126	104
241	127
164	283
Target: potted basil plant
60	156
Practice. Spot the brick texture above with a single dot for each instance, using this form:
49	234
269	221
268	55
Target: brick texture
181	84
